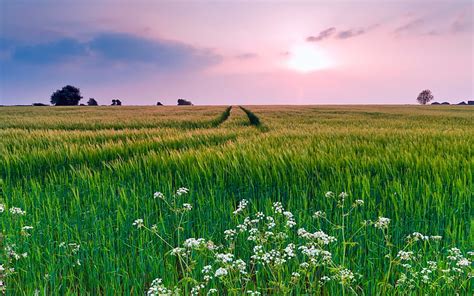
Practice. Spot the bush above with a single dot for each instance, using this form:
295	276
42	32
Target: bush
183	102
92	102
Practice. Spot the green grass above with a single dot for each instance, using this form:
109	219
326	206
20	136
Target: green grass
84	174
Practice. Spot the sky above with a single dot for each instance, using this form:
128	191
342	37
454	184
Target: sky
237	52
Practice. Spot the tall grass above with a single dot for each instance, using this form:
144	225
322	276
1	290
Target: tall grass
84	178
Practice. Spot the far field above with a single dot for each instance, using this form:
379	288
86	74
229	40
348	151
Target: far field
84	174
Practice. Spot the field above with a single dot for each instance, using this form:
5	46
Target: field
85	175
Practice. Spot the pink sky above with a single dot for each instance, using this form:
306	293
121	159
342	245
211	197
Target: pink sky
238	52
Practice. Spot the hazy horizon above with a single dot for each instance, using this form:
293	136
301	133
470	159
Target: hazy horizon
237	52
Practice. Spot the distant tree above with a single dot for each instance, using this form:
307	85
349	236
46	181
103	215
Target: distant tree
67	96
183	102
159	104
92	102
116	102
39	104
424	97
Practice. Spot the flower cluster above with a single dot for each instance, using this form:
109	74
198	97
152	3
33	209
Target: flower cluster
13	250
266	245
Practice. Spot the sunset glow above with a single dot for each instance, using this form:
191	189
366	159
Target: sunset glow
307	58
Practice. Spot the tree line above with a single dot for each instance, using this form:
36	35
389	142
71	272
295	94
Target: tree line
71	96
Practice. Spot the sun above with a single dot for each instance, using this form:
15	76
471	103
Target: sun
308	58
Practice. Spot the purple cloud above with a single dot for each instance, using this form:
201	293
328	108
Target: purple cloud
350	33
322	35
412	25
247	56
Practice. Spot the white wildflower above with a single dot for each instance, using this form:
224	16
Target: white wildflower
178	251
329	194
416	236
240	265
295	276
25	229
319	214
221	272
304	265
343	195
324	279
2	208
138	223
359	202
278	207
206	269
181	191
158	195
74	247
382	223
212	291
346	276
187	207
319	236
270	222
242	206
224	258
405	255
193	243
17	211
157	288
463	262
229	234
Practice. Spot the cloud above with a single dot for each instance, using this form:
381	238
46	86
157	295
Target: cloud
126	48
428	27
322	35
411	26
115	48
247	56
46	53
340	34
350	33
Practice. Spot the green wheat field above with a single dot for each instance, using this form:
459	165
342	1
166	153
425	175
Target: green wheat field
90	200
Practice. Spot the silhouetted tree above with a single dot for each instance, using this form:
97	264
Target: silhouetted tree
424	97
183	102
159	104
116	102
67	96
92	102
